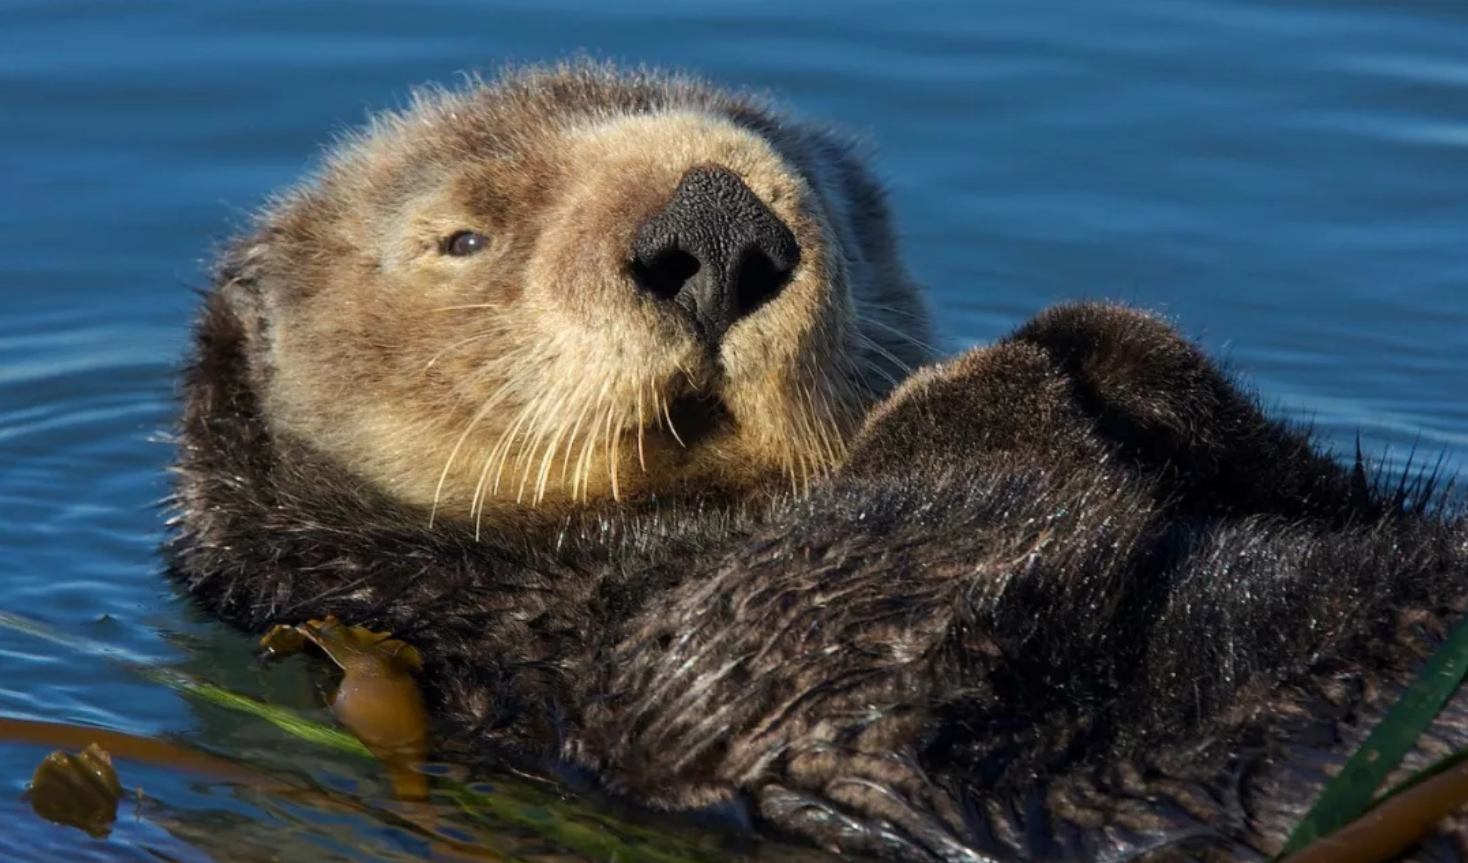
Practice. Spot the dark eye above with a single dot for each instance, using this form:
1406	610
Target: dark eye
465	243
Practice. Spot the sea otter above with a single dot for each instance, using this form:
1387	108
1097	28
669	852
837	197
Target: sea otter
582	383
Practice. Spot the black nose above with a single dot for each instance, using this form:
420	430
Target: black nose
716	250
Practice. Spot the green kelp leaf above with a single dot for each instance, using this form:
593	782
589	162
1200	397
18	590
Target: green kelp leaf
1351	792
283	718
1398	820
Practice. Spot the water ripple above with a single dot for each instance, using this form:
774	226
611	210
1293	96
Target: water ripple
1286	179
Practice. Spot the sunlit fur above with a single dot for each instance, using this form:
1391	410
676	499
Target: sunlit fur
1072	595
535	375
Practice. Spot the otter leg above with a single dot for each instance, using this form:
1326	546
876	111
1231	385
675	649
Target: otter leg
1169	410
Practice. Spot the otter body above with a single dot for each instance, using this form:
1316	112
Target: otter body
581	384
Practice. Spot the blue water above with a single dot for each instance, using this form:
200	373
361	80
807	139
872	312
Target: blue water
1287	178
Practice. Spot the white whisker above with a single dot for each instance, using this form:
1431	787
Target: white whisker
571	443
641	424
456	345
877	347
465	308
672	429
588	451
611	456
906	313
483	411
899	333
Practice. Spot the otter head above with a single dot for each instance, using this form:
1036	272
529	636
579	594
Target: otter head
576	285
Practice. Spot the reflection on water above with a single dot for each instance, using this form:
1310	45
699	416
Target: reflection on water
1286	178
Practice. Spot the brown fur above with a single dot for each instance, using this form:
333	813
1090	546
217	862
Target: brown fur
1073	596
1069	596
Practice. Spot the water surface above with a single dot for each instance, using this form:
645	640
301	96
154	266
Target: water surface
1287	179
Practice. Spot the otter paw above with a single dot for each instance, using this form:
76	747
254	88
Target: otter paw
1148	388
1168	409
1008	401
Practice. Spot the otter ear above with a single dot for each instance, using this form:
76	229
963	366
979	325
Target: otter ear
241	276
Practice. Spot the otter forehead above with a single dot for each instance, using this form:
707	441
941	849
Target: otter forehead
511	118
511	114
495	167
497	155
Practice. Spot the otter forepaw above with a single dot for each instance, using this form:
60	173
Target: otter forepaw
1132	369
1008	401
1172	412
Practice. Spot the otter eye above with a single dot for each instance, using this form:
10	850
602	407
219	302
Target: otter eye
465	243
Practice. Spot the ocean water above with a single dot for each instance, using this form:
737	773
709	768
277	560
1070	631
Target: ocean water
1287	179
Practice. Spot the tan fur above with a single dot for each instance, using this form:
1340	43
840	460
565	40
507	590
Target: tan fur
535	374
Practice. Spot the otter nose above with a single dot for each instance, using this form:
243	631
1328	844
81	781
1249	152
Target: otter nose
715	250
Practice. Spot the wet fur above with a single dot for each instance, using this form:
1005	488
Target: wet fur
1070	596
1033	616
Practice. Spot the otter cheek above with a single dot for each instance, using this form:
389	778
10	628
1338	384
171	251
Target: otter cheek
791	374
803	327
580	299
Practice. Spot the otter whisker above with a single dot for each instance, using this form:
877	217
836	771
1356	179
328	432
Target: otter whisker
850	398
918	316
641	423
465	308
483	411
871	344
826	433
672	429
611	455
543	475
893	382
546	429
514	441
560	432
793	453
898	333
587	406
498	457
801	447
477	500
818	427
456	345
816	422
588	451
617	460
571	441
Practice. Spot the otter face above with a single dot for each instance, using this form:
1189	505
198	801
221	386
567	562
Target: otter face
576	285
